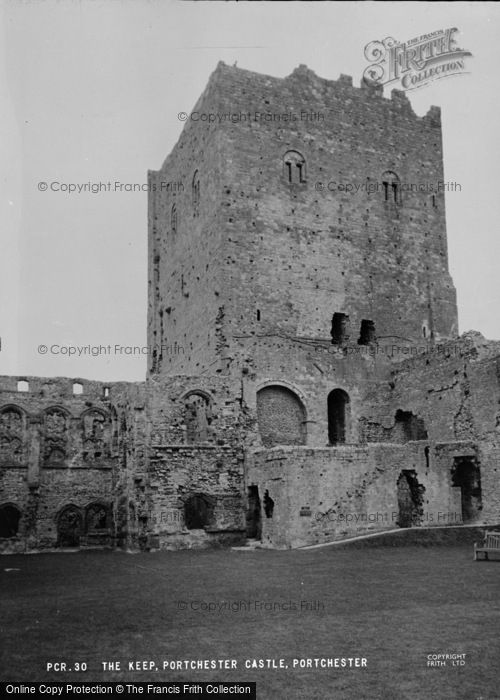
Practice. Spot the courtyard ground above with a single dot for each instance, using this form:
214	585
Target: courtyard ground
393	606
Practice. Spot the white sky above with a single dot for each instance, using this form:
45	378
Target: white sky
91	91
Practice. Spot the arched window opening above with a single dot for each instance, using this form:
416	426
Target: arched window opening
96	435
338	408
97	518
11	435
197	418
294	167
391	187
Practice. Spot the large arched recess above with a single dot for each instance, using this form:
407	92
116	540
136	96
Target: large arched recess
281	416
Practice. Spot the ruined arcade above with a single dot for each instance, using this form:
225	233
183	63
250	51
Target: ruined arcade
322	390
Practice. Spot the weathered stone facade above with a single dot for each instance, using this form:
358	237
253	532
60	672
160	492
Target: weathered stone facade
306	381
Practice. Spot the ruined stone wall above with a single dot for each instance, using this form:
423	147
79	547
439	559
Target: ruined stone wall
322	495
295	253
272	302
455	393
196	478
185	250
63	461
312	371
166	469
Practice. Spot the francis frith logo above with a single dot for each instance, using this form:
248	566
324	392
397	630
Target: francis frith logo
416	62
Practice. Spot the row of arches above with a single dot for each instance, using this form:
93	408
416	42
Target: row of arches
72	522
92	434
75	524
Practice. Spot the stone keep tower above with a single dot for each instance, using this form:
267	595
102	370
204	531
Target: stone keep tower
296	211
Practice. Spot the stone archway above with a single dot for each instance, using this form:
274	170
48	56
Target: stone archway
338	408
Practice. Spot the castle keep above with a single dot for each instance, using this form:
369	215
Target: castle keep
319	388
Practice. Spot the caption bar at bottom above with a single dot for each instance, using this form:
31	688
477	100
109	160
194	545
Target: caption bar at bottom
180	690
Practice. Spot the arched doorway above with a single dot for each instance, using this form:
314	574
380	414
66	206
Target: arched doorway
198	511
338	411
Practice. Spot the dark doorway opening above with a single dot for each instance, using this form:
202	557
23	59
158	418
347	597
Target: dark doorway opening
9	520
198	511
410	499
466	475
254	525
338	403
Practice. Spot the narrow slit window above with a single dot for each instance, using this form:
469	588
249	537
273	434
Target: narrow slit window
195	193
173	219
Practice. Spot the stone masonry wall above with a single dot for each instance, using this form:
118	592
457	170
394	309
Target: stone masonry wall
322	495
455	392
63	459
256	255
198	429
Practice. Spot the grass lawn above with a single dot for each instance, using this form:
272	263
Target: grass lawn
391	605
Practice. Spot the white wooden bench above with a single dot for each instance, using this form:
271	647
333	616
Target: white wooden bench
491	544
